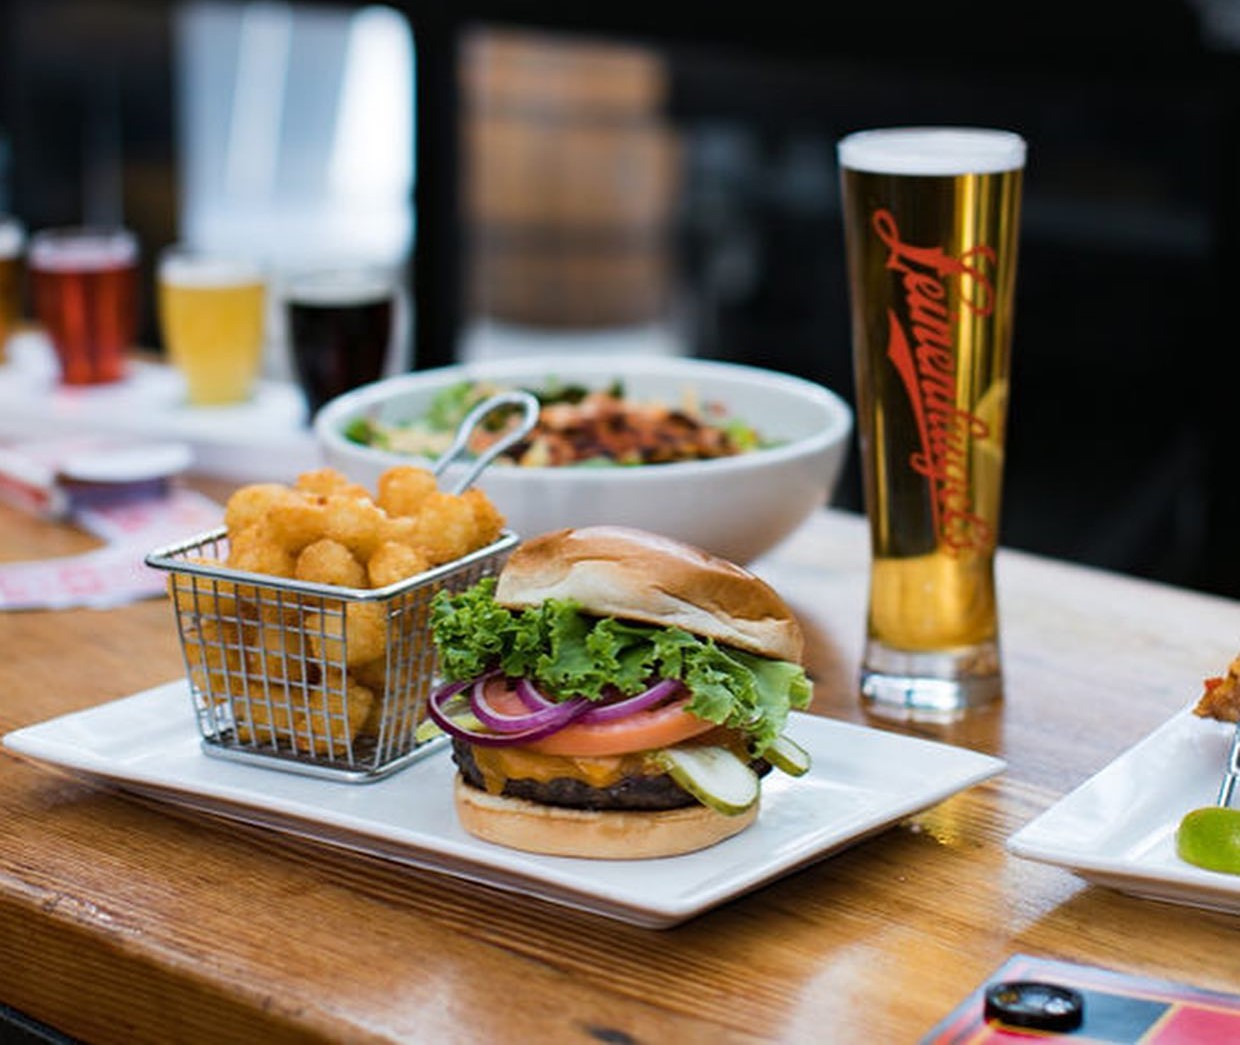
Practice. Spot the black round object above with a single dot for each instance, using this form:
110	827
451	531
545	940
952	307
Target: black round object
1038	1006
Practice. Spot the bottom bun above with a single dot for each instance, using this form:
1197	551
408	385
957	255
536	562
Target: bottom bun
622	835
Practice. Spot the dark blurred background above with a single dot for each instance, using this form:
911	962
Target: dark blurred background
662	178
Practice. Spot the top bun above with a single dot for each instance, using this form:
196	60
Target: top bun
614	571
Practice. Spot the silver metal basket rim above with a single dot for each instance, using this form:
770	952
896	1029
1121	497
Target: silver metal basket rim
165	558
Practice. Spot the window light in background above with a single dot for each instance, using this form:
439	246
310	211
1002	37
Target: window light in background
296	126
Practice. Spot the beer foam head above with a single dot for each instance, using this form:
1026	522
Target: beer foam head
86	248
206	271
12	238
341	287
932	150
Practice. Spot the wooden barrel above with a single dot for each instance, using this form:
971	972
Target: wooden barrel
571	174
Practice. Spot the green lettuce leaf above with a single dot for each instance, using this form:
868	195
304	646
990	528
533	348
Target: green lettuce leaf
568	653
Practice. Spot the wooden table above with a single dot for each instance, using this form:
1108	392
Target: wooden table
128	922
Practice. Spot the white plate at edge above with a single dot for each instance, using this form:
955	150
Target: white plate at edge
863	780
1118	828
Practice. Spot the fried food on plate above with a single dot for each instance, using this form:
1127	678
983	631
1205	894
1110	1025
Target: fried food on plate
326	561
403	489
316	721
1220	698
311	673
280	530
393	561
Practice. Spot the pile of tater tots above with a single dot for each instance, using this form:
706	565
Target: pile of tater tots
273	661
328	529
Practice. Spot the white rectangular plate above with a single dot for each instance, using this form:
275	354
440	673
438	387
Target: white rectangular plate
862	781
1118	828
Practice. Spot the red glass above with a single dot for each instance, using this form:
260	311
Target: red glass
85	288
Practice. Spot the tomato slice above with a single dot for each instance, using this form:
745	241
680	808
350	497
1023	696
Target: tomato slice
642	731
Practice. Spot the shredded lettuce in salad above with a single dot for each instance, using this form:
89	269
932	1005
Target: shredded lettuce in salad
578	426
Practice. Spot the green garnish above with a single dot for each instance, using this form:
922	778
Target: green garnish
743	437
450	405
363	430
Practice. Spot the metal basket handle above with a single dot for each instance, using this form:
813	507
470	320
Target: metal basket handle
529	418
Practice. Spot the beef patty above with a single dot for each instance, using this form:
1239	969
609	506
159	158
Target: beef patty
633	792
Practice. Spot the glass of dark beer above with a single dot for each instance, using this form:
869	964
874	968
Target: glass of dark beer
341	328
85	286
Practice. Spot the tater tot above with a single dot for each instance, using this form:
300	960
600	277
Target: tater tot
280	653
256	549
365	634
214	655
359	525
372	674
329	562
307	718
298	522
394	561
251	504
340	720
265	713
403	488
215	646
211	597
488	520
445	528
325	481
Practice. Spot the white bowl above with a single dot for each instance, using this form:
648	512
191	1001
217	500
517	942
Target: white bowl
737	507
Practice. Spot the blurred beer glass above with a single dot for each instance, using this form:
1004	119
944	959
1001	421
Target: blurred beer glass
85	286
12	241
341	327
931	220
211	314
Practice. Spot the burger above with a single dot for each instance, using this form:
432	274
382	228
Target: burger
615	694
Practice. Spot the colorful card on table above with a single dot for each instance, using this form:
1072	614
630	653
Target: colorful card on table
1117	1008
116	573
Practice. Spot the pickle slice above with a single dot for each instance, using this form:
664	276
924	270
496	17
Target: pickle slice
788	756
426	731
712	775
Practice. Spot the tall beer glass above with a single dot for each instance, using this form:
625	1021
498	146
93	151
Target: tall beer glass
211	314
85	284
12	240
931	219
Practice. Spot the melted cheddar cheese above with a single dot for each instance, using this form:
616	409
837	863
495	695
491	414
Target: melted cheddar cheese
497	764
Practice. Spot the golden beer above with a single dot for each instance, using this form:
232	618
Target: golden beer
12	240
211	313
931	219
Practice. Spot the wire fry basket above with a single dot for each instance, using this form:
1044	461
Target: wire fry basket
312	678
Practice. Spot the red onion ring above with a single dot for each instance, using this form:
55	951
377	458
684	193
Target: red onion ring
553	715
437	707
666	689
656	694
447	691
532	697
545	717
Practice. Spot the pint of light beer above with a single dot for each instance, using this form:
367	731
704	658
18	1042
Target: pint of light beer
212	317
931	219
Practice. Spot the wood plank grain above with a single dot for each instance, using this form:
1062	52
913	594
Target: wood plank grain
124	920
